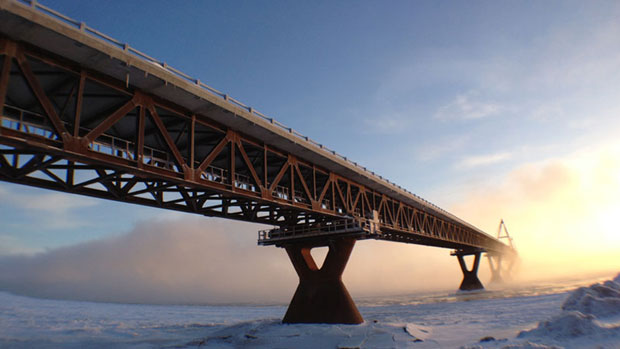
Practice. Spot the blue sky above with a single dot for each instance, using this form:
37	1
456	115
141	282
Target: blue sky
438	96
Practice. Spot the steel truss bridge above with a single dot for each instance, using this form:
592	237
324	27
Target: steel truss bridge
84	113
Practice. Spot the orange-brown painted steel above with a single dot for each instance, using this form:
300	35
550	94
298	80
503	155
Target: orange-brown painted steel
470	276
93	135
321	297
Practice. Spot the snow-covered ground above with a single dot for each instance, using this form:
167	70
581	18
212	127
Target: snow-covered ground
588	317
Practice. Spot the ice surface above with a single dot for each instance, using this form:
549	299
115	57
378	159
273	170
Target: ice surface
29	322
419	332
460	322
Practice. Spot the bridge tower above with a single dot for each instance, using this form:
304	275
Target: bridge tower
502	265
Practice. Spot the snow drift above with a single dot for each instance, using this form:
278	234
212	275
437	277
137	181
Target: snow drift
589	314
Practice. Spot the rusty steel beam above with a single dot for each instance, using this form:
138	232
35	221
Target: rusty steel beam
114	136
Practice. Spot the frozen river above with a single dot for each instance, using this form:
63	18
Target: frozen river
417	321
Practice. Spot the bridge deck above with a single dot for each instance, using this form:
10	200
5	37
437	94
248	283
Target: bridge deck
86	114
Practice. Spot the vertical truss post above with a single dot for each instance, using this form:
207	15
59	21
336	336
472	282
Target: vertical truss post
139	151
470	277
4	80
192	144
233	150
321	296
79	98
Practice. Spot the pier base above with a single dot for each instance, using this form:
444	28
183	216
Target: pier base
502	266
470	277
495	263
321	297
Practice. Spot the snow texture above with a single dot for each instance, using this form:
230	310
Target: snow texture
588	317
599	300
34	323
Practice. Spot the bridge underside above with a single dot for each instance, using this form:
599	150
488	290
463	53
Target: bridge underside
66	128
81	116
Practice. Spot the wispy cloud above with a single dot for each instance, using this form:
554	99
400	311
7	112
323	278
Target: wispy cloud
467	106
52	202
484	160
45	201
387	123
437	149
58	208
9	245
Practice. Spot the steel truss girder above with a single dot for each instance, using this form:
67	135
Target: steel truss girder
167	149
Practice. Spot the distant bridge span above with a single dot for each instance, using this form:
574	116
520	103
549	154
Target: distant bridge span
86	114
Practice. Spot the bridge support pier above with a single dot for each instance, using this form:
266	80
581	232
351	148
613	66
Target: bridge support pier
495	263
321	296
470	277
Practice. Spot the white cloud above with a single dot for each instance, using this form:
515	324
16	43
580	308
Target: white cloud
466	107
483	160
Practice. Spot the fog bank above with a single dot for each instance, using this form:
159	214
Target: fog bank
198	260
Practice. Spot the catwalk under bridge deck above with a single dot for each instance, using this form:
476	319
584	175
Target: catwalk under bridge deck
84	113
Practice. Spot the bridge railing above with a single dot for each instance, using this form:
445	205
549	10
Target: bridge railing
29	122
26	121
163	65
345	226
244	182
114	146
215	174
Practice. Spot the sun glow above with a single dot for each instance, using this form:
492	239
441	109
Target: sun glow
563	213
